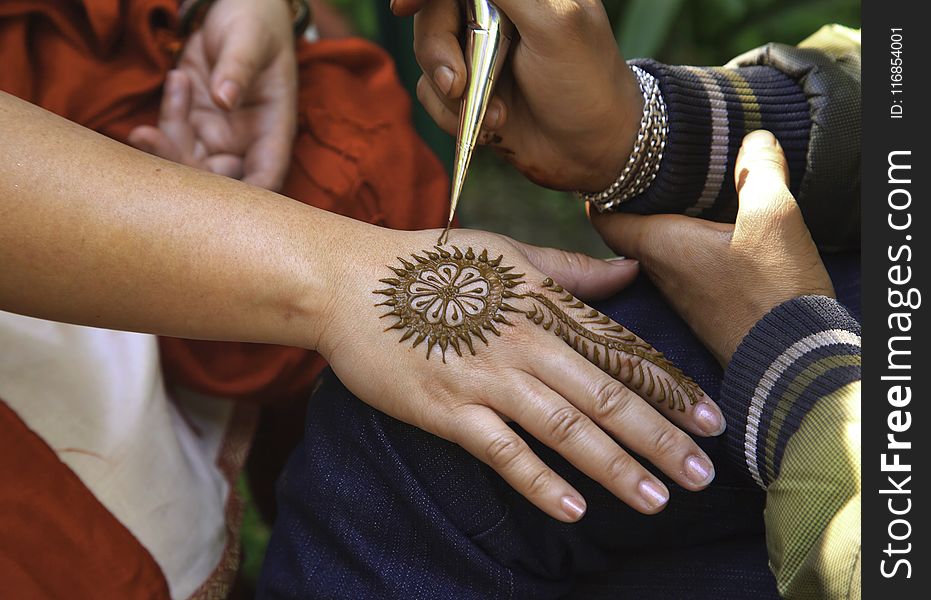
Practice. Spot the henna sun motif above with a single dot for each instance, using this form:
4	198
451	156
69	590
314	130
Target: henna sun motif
445	298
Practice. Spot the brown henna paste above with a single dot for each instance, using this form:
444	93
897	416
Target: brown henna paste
450	298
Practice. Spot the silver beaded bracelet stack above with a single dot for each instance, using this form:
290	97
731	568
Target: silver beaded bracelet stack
645	159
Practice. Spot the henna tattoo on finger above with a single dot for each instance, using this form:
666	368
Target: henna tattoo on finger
448	299
610	346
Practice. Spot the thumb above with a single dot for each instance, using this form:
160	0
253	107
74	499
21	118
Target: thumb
625	233
583	276
762	178
239	61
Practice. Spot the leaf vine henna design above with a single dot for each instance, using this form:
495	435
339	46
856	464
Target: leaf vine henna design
447	299
610	346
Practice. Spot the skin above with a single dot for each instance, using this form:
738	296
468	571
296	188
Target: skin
766	258
230	106
567	108
96	233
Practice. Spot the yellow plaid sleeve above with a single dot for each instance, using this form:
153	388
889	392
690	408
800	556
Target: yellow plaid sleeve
791	396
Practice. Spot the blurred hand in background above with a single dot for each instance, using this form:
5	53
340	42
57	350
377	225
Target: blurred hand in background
230	106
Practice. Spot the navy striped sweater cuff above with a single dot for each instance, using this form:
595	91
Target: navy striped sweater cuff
802	351
710	110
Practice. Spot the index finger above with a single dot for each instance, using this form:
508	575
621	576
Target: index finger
267	160
436	46
651	238
484	435
268	156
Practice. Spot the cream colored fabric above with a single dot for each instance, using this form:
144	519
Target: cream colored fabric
813	507
97	398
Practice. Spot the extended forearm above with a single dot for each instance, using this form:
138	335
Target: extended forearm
96	233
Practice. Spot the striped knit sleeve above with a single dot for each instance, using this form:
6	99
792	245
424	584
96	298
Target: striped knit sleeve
710	110
791	396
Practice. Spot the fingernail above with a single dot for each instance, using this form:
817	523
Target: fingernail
573	507
653	493
444	78
493	118
709	419
760	139
622	261
228	93
699	470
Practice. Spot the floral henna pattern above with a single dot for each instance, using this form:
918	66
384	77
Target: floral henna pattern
447	299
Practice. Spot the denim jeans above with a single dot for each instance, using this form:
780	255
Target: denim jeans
370	507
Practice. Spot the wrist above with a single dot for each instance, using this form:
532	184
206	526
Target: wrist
795	357
620	136
316	282
339	273
646	154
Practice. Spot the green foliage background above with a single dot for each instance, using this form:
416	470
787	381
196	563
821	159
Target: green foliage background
698	32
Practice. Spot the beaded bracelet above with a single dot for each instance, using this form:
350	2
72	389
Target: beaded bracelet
645	158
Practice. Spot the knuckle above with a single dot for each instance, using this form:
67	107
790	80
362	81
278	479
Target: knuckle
563	424
570	260
539	483
668	441
577	266
425	49
770	159
620	466
611	400
503	450
657	238
451	424
577	16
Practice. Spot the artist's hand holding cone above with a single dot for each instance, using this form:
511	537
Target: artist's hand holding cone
463	338
566	109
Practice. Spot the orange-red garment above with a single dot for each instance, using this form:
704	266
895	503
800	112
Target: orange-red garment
56	539
101	63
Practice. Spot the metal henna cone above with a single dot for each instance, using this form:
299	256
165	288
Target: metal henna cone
488	37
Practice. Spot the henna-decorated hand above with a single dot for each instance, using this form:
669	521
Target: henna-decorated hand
489	331
724	278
